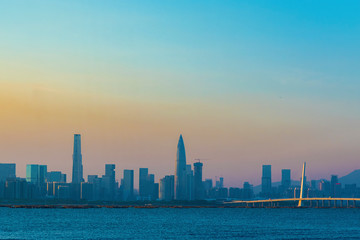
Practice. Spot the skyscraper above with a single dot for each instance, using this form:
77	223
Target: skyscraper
180	171
198	183
128	185
334	181
108	181
36	174
7	170
166	188
150	187
189	183
143	176
286	178
42	174
266	180
77	174
32	173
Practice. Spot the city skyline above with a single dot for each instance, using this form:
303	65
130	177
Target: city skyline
286	176
248	83
179	119
187	184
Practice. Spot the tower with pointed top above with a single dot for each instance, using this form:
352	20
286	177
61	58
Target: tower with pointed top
77	173
180	171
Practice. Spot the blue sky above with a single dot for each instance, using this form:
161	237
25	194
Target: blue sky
296	47
297	61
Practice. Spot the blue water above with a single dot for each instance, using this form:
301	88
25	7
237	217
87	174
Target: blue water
179	223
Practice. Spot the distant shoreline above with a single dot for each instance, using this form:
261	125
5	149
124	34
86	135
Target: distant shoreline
91	206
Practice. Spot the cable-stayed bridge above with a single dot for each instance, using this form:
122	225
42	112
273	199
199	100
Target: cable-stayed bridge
305	202
301	201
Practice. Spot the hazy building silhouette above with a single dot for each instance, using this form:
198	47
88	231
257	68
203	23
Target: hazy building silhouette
108	182
180	171
324	187
208	185
98	190
32	173
266	180
166	188
143	182
87	191
77	173
234	193
155	193
314	185
17	188
63	191
148	189
7	170
247	191
198	182
56	176
334	191
286	178
128	185
220	183
150	186
36	174
189	183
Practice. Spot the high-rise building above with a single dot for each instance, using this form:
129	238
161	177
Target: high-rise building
36	174
266	180
143	183
286	178
198	183
166	188
98	190
108	181
314	184
180	171
56	176
128	185
325	187
221	184
32	173
87	191
148	189
17	188
334	181
77	173
42	173
247	191
155	193
7	170
208	185
189	183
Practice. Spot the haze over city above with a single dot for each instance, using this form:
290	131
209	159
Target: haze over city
246	84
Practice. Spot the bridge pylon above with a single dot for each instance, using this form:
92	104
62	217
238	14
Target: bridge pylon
302	186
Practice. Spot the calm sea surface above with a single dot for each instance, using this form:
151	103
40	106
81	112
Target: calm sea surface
179	223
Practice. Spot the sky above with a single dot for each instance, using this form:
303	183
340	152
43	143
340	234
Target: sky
246	82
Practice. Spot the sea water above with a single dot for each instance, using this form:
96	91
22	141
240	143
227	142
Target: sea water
169	223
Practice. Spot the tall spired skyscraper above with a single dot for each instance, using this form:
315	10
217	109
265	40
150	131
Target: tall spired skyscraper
180	171
77	174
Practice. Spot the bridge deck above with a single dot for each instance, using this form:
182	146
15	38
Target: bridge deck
297	199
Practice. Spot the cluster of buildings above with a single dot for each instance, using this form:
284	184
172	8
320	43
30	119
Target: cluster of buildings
313	188
186	184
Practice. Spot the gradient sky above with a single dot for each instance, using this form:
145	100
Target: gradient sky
246	82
